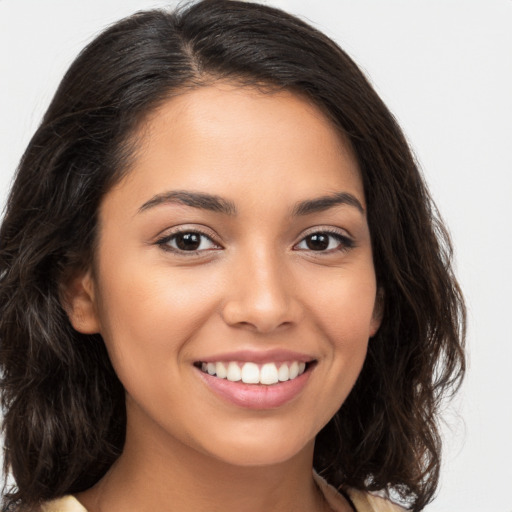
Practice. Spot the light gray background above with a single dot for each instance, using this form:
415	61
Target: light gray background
444	67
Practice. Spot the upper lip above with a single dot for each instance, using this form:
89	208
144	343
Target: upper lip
258	356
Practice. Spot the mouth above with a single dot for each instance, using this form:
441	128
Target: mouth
266	374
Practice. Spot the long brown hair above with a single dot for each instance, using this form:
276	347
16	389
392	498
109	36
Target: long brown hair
64	410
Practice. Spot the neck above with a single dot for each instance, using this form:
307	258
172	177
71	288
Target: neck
156	472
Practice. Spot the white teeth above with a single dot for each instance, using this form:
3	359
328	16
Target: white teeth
222	371
284	373
294	370
268	374
252	373
234	373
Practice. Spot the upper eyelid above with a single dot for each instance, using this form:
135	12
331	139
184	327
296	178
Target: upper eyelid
326	229
192	228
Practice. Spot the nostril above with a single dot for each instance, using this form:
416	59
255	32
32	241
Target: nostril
258	318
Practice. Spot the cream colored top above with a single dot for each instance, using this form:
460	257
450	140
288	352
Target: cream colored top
363	501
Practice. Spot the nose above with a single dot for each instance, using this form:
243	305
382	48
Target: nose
261	295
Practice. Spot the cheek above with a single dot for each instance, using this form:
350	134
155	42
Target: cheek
343	311
345	306
147	317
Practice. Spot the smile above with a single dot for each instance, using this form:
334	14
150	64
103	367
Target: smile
253	373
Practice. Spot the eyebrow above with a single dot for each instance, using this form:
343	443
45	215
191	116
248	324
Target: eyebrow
323	203
194	199
220	205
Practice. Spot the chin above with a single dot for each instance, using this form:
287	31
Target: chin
257	451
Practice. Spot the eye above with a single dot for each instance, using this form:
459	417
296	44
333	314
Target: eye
188	241
325	241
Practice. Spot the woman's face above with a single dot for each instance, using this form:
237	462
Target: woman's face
237	247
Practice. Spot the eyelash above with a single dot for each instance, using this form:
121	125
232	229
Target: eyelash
165	241
345	243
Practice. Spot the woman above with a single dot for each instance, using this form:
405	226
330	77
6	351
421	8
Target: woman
223	282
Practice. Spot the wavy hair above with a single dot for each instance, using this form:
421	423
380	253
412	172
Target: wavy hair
64	414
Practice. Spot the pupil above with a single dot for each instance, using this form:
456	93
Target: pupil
188	241
318	242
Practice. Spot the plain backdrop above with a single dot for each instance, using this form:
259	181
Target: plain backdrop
444	67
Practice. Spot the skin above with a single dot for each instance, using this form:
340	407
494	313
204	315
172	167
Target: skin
254	284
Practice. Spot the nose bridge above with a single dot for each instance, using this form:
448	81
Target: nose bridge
260	294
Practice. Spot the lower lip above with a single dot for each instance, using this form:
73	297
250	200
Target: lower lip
256	396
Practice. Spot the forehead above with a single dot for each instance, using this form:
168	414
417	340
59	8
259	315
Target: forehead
229	140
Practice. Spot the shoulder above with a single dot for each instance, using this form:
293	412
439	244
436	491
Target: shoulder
368	502
361	500
64	504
